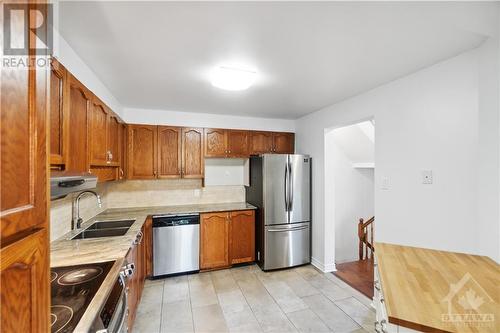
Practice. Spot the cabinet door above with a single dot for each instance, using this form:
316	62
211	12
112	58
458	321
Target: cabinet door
261	143
242	236
142	160
148	244
237	143
25	297
58	118
193	161
122	138
132	284
114	140
23	145
79	105
215	142
98	133
169	152
214	240
284	143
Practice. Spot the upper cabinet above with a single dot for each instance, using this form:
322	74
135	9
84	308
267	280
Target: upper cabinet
114	125
169	152
215	142
58	116
79	102
261	143
142	151
98	133
283	143
238	143
193	162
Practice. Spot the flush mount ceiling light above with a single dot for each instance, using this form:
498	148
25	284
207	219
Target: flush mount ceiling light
233	78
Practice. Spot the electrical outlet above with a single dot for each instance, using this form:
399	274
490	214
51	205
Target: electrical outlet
427	177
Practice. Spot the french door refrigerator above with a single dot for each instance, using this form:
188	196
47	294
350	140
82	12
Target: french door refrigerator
280	186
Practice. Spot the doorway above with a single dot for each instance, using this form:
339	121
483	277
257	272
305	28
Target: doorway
349	175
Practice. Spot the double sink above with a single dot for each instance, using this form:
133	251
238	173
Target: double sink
105	229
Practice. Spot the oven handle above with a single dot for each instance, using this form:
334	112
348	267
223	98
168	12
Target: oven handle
125	305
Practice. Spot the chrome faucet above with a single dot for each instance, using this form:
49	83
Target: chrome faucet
76	221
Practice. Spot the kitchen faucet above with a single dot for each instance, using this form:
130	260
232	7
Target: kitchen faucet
76	221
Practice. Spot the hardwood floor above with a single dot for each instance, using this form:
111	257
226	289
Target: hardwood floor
357	274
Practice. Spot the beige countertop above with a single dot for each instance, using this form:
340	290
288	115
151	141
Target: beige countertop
65	252
421	287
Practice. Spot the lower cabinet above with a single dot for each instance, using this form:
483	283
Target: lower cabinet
25	284
135	284
226	238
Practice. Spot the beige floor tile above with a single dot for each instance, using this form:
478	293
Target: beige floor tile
223	281
201	290
307	272
300	286
209	319
362	314
242	321
232	301
284	296
176	289
151	283
332	316
307	321
255	293
272	319
177	317
148	317
329	288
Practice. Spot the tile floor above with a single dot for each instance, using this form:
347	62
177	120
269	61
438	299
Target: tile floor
245	299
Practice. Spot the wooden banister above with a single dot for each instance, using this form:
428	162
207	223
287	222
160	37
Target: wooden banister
365	235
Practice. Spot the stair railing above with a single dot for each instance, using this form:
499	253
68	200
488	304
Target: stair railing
365	234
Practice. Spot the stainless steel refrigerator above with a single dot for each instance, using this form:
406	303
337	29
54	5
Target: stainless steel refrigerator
280	186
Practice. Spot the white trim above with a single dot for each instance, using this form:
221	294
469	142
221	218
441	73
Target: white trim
368	165
322	267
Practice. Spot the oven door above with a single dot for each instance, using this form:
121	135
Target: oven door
118	322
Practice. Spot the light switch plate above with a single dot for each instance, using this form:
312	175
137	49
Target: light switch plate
427	177
385	184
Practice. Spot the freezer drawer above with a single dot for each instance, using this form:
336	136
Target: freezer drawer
287	245
176	249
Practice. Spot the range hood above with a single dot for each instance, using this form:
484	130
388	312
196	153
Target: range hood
62	184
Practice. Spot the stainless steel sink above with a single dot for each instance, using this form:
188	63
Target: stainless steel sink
111	224
85	234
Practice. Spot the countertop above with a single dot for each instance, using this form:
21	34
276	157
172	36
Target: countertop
421	287
65	252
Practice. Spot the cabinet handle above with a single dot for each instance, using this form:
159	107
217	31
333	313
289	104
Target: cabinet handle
121	172
376	327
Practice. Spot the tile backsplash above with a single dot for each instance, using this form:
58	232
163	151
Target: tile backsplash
141	193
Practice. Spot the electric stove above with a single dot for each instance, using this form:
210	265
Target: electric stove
72	290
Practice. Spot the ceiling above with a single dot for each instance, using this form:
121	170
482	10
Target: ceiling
158	55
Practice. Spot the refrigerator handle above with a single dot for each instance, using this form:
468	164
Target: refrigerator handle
286	187
290	187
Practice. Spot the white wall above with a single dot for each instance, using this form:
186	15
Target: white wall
353	189
65	54
191	119
427	120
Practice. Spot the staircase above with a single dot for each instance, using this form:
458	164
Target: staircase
365	234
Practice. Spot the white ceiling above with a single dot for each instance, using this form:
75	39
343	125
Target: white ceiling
158	55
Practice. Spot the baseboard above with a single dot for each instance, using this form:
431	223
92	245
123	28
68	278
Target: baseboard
322	267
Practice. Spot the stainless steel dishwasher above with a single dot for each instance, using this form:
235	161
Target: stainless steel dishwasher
176	244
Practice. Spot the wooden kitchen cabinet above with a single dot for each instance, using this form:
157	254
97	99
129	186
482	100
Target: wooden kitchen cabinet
169	152
24	159
261	143
148	245
238	143
283	143
215	142
214	240
114	140
242	236
142	152
122	150
59	120
98	133
79	112
24	273
132	285
193	161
